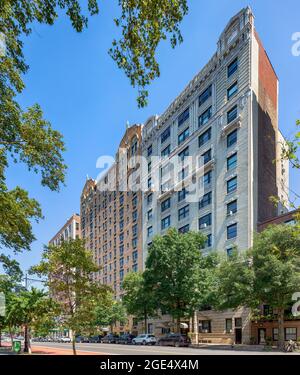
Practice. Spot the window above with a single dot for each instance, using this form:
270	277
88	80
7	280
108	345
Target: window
149	150
149	214
121	249
205	221
183	117
149	198
150	328
134	268
205	201
134	201
182	194
232	185
208	241
204	117
183	212
184	229
231	231
165	204
135	256
183	136
149	166
238	322
228	325
229	252
165	134
183	173
267	310
231	162
232	90
204	137
149	231
166	222
290	334
207	178
121	275
232	138
205	95
205	326
232	67
183	153
134	243
166	151
206	156
149	183
232	208
275	334
134	215
232	114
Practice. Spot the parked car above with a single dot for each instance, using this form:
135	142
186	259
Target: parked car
174	339
82	339
110	338
144	339
95	339
65	339
125	339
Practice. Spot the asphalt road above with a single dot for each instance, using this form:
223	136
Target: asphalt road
114	349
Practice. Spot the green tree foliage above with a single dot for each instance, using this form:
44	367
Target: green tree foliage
176	273
269	273
290	149
109	312
69	268
138	299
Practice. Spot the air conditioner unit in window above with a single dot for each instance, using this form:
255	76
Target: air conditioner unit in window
203	226
230	213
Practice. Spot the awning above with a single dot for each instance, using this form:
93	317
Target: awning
184	325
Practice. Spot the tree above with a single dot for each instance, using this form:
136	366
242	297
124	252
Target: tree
69	268
109	312
175	273
29	309
137	299
269	273
291	147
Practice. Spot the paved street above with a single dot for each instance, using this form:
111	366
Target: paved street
113	349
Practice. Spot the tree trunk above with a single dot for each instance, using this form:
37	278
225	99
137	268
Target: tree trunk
11	336
73	333
177	325
145	321
0	337
26	344
281	328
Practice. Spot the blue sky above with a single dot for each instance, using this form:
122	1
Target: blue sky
88	99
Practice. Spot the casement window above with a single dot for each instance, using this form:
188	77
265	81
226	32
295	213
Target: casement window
183	212
204	117
232	185
232	138
232	90
183	117
232	68
204	137
165	204
231	231
232	162
232	114
205	95
166	222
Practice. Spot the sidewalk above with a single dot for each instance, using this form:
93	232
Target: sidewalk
47	350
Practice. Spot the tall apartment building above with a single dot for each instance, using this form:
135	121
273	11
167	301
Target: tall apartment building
111	215
70	230
227	118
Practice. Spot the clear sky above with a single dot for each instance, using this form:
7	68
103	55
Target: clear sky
89	100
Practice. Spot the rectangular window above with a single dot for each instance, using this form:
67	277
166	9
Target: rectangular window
232	162
134	201
134	230
135	268
149	150
183	136
290	334
204	137
149	183
232	138
206	156
182	194
183	212
207	178
134	215
238	323
229	252
134	243
121	275
232	67
183	153
275	334
135	256
183	173
208	241
228	325
149	198
205	326
205	201
183	117
149	214
166	222
184	229
232	208
232	90
205	221
232	114
232	185
165	204
165	134
204	117
231	231
149	166
149	231
166	151
205	95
